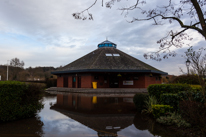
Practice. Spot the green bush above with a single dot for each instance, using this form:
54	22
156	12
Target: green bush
196	87
194	112
160	110
18	100
187	79
192	95
158	89
173	119
170	99
139	100
148	104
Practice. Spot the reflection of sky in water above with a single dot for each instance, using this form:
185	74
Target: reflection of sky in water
132	131
57	124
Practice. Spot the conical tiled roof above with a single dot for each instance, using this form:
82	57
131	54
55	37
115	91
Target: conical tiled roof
107	59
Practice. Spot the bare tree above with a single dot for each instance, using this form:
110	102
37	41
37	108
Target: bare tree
189	14
15	62
17	67
198	65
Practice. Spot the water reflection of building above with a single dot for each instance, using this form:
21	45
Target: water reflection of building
95	104
106	115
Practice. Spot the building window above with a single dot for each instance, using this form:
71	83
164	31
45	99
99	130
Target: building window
108	54
128	78
116	55
157	78
96	77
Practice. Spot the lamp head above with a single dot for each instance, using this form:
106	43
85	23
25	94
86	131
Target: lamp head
187	62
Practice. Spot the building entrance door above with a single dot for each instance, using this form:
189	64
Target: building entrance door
79	82
113	82
66	82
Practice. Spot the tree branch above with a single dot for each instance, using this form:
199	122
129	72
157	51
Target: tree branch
79	15
132	7
178	20
90	6
173	36
200	15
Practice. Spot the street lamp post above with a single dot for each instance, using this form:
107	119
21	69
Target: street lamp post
188	64
7	70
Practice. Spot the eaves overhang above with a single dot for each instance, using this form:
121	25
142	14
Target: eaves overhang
107	70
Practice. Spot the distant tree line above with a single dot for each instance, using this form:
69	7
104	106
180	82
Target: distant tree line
18	72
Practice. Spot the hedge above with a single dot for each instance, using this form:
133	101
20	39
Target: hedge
187	79
196	87
18	100
160	110
170	99
192	95
195	113
158	89
139	100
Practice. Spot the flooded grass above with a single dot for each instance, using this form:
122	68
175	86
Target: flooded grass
86	115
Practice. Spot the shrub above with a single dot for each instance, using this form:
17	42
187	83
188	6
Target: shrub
148	104
194	112
139	100
192	95
187	79
158	89
170	99
196	87
51	82
160	110
173	119
18	100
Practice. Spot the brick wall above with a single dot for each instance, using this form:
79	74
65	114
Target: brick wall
140	83
143	81
86	81
70	81
152	80
60	82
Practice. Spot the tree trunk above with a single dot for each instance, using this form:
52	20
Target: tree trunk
200	16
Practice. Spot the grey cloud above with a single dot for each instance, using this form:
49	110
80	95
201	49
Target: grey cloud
65	39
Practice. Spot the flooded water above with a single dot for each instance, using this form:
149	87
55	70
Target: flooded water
79	115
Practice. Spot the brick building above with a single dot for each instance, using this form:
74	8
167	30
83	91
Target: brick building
110	68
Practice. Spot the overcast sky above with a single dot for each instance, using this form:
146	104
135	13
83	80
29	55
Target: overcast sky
44	33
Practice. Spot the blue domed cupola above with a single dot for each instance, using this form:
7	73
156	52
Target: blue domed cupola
107	43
